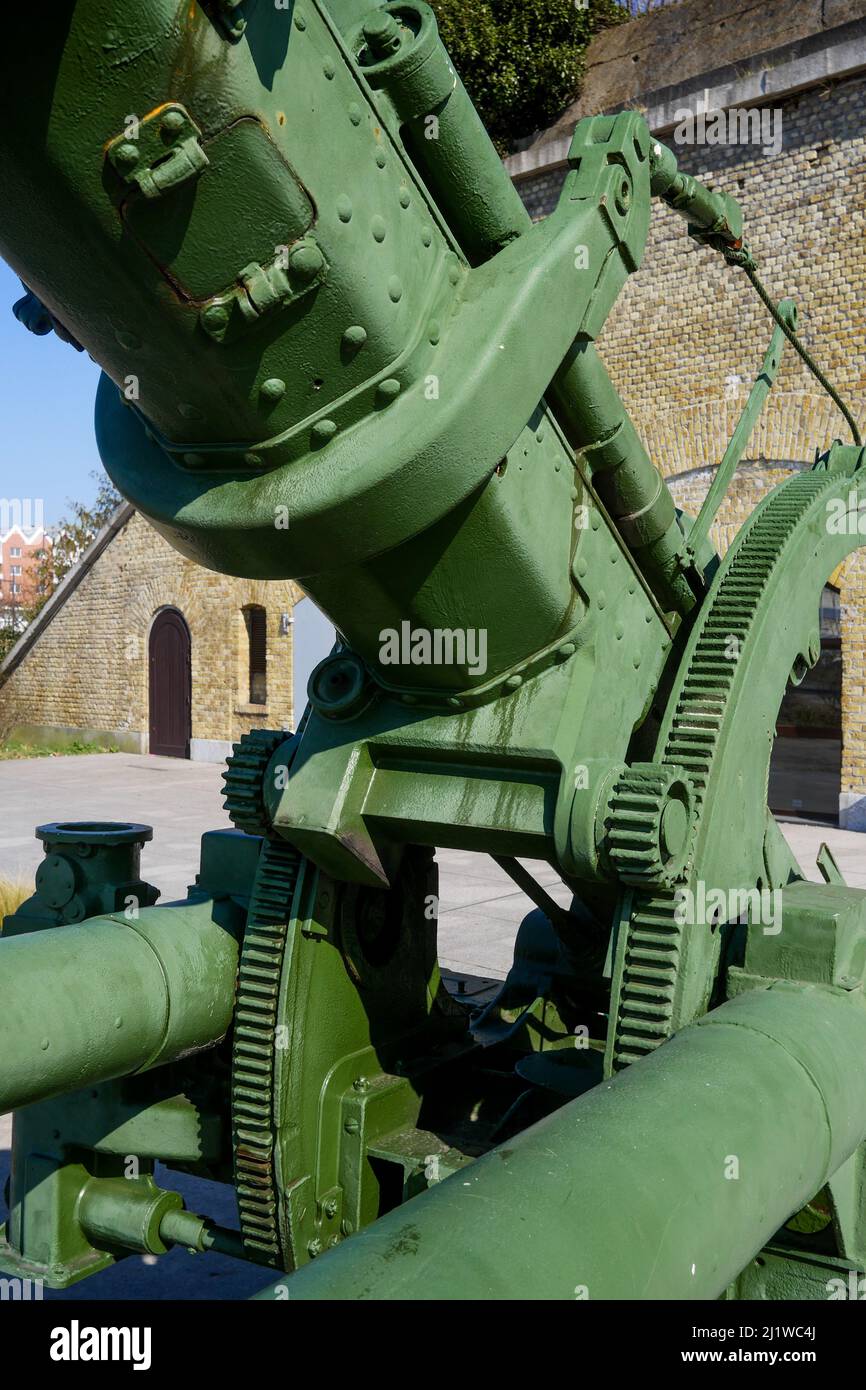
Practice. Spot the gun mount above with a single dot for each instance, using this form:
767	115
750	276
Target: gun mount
335	348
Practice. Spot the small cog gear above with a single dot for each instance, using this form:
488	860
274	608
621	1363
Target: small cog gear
648	823
243	778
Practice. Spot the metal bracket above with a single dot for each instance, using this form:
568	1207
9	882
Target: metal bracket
294	272
165	153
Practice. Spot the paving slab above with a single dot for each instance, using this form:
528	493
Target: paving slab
480	912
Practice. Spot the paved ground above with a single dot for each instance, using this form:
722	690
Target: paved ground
480	910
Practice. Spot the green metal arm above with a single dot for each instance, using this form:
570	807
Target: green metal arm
743	431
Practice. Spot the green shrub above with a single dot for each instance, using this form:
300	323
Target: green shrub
521	60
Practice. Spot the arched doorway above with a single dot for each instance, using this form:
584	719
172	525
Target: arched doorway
170	684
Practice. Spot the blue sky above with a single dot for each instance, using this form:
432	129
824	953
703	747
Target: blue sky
47	391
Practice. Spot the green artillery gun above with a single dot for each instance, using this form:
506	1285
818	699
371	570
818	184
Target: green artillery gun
335	348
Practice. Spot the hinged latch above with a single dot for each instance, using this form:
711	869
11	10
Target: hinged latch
164	152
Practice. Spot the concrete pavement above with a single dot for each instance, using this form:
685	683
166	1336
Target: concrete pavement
480	911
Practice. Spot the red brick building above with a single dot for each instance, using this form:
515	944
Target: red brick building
19	549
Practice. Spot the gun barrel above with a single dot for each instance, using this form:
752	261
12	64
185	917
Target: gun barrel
663	1183
109	997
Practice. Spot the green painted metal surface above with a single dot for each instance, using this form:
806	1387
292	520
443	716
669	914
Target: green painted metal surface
335	348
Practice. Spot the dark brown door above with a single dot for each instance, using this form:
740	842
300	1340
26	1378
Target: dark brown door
170	685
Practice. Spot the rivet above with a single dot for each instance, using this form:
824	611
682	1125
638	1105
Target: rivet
355	114
601	598
426	236
172	123
328	68
513	682
253	460
636	662
434	332
323	430
215	317
300	22
344	208
594	521
405	199
306	261
388	390
352	1126
395	289
45	1044
565	651
580	566
381	158
355	337
272	390
378	228
619	632
454	702
126	155
453	273
118	1022
127	340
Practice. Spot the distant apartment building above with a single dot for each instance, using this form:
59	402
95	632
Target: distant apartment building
19	563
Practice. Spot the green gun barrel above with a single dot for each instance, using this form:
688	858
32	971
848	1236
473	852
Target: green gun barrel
112	996
662	1183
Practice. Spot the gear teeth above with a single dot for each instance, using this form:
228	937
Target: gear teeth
243	778
655	944
253	1047
635	808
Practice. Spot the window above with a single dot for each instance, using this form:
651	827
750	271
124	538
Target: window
15	551
255	619
16	569
16	588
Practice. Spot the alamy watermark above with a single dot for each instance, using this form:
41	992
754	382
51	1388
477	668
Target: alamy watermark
438	646
703	906
747	125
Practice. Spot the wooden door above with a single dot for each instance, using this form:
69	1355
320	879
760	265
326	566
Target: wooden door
170	685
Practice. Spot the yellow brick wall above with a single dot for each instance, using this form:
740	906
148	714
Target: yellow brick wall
89	668
686	337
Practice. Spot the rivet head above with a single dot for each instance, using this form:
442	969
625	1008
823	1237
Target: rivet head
272	390
172	123
300	22
215	318
513	682
378	228
352	1126
323	430
306	261
253	460
434	332
426	236
405	198
344	208
381	158
355	337
395	289
389	389
328	68
601	598
126	155
355	114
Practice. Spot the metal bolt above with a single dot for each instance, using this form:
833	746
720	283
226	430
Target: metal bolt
352	1126
306	261
330	1208
172	124
360	1083
126	155
382	34
215	318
